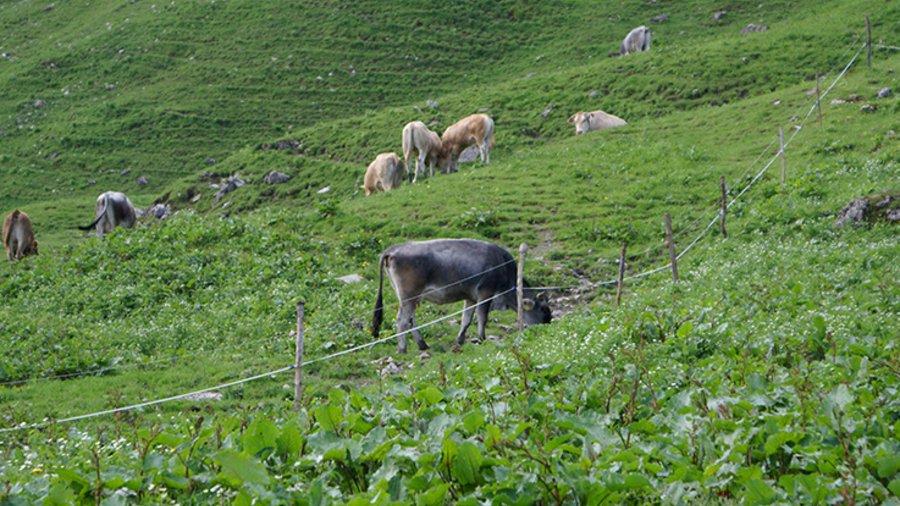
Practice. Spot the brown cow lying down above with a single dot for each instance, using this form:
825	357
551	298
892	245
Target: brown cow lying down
427	145
636	41
112	210
384	173
18	236
475	129
597	120
481	274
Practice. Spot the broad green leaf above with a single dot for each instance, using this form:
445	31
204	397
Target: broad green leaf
841	396
260	435
466	464
758	491
435	496
888	466
894	486
493	436
473	421
429	395
175	481
776	441
329	417
685	329
290	441
242	467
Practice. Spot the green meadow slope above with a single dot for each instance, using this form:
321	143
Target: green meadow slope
769	373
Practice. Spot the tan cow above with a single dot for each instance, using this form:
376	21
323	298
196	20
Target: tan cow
427	145
475	129
596	120
112	210
384	173
636	41
18	236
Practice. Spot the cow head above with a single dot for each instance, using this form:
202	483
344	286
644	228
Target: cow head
34	249
445	160
536	309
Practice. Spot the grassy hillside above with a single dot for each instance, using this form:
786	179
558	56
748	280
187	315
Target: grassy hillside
767	374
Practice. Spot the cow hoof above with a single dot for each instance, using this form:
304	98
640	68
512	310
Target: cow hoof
401	350
456	348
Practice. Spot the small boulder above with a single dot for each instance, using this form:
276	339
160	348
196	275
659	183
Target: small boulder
351	278
869	108
870	209
159	211
232	183
719	16
754	28
276	177
884	93
141	181
432	104
470	154
548	110
661	18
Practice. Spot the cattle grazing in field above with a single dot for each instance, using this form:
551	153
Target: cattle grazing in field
427	145
113	209
449	270
384	173
476	129
18	236
636	41
596	120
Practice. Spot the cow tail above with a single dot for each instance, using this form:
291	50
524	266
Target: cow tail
378	314
99	216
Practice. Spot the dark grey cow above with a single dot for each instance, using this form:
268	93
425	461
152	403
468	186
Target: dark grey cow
113	209
450	270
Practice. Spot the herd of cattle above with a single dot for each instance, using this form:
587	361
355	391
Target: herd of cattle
442	271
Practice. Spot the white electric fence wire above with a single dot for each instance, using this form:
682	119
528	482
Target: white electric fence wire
882	46
246	380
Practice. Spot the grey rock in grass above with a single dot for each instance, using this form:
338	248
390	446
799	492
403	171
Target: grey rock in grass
39	103
754	28
159	211
432	104
869	108
548	110
232	183
661	18
870	209
884	93
276	177
351	278
141	181
719	16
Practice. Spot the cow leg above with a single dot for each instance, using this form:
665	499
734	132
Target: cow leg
483	310
421	161
406	320
468	312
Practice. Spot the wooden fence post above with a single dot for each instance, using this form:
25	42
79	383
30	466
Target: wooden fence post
520	286
672	257
818	100
621	273
783	162
298	365
868	42
724	206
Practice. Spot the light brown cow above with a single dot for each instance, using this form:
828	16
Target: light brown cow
112	210
475	129
636	41
384	173
427	145
18	236
596	120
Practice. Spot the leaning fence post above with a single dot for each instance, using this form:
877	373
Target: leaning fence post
621	273
673	259
520	286
724	206
818	100
868	42
783	162
298	365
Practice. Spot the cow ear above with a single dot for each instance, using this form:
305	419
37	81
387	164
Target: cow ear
572	119
527	304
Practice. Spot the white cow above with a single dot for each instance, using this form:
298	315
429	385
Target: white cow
596	120
636	41
384	173
112	210
427	145
475	129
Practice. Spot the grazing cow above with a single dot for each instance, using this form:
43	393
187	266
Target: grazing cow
18	236
636	41
597	120
475	129
427	145
112	210
384	173
449	270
